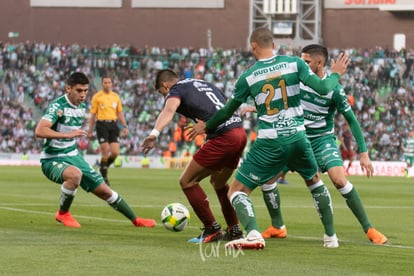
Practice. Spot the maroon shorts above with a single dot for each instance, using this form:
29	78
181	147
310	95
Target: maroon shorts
222	151
347	154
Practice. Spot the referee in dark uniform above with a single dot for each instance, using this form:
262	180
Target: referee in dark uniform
106	110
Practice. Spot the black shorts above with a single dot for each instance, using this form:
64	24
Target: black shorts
107	132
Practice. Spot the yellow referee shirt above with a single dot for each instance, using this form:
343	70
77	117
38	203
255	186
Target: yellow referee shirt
106	105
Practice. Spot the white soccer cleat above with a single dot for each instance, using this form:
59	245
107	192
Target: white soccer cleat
330	241
253	240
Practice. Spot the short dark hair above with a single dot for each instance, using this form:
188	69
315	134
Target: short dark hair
262	36
316	49
77	78
165	75
105	77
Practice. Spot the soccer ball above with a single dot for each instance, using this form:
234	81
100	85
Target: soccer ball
175	217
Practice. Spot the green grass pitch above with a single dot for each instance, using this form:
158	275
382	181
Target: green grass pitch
33	243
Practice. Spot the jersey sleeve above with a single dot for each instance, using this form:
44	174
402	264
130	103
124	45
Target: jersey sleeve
356	130
223	114
94	105
322	86
241	89
341	100
303	69
176	92
53	112
343	106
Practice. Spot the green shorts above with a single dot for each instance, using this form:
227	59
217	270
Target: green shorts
53	169
326	152
409	159
267	158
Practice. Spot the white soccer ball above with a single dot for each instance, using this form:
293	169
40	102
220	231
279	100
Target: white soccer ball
175	217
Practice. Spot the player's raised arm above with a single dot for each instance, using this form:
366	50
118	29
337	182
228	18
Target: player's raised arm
324	86
164	119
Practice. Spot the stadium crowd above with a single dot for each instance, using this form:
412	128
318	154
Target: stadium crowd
379	85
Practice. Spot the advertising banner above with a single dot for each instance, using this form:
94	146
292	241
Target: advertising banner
381	168
369	4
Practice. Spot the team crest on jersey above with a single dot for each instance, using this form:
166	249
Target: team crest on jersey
59	113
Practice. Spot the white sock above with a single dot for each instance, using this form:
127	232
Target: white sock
346	189
67	191
112	198
316	185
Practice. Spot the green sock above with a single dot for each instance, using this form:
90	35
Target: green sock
322	200
66	198
272	200
354	203
245	211
122	206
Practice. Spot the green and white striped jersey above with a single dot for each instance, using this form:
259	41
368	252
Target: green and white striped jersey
274	84
64	117
409	146
319	110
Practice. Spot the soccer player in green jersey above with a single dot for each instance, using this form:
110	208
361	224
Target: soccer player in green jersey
60	160
319	114
274	84
408	148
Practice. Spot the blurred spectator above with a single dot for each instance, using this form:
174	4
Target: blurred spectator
379	83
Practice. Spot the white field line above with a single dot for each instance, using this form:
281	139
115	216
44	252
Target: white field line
211	205
118	220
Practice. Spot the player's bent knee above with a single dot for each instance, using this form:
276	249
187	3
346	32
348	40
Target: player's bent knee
72	174
186	184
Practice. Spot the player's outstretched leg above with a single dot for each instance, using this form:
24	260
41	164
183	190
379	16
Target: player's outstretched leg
352	199
119	204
